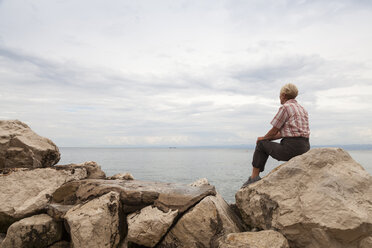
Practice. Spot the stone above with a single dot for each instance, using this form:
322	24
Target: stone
35	231
200	182
121	176
61	244
20	147
319	199
2	237
95	223
94	171
135	194
26	192
58	211
203	225
149	225
366	242
262	239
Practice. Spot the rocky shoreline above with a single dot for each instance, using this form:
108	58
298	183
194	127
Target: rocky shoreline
320	199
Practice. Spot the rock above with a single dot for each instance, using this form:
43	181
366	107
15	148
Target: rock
94	171
149	225
2	237
95	223
319	199
263	239
121	176
36	231
26	192
200	182
135	194
21	147
366	242
58	211
203	225
61	244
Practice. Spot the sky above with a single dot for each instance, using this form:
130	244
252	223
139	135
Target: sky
184	73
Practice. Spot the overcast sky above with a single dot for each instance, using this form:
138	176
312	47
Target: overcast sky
184	73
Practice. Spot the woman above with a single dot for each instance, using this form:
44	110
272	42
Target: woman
291	124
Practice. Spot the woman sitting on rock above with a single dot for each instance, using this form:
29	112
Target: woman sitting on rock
291	125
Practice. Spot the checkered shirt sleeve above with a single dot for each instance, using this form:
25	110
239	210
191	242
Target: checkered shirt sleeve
280	118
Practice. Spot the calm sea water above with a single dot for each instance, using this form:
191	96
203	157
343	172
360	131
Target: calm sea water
226	169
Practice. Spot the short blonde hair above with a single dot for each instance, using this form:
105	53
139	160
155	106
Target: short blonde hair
290	91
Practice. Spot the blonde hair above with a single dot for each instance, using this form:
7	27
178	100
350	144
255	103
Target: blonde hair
290	91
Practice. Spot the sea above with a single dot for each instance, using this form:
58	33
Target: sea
225	168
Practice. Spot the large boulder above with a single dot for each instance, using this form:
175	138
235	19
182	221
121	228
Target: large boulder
135	194
263	239
20	147
95	223
36	231
203	225
319	199
149	225
26	192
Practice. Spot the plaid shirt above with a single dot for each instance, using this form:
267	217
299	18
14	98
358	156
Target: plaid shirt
292	120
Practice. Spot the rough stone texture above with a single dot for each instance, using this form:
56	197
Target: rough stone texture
61	244
149	225
26	192
200	182
36	231
322	198
263	239
121	176
58	211
203	225
95	223
2	237
21	147
135	194
366	242
94	171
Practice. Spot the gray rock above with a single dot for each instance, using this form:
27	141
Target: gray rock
20	147
135	194
203	225
149	225
36	231
263	239
319	199
95	223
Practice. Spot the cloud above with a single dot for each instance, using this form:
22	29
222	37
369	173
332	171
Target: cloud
185	72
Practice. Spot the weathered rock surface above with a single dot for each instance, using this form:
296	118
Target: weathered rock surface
95	223
203	225
200	182
322	198
26	192
149	225
94	171
121	176
20	147
61	244
135	194
36	231
366	242
263	239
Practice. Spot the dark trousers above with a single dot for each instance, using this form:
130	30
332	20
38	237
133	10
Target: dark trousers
285	150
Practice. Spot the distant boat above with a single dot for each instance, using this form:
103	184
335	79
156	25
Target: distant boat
172	147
